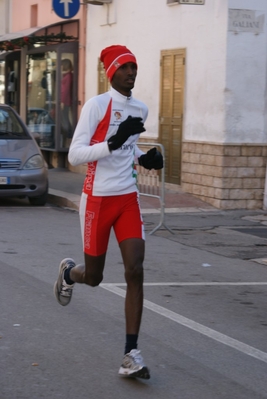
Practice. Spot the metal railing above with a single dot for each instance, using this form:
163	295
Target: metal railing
151	183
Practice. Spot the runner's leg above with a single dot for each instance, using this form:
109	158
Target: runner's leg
132	251
91	273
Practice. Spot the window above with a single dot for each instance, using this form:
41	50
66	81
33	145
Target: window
2	82
34	15
41	106
52	94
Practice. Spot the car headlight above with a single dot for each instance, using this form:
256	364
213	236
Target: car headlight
35	162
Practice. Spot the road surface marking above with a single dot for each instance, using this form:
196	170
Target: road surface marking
188	283
208	332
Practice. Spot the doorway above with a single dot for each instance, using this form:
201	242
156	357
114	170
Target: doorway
172	67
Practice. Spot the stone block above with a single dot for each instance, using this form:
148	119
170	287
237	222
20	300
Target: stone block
209	170
189	167
220	193
196	189
256	162
213	201
237	162
194	158
227	183
232	151
199	148
186	147
185	156
251	183
246	172
213	149
254	204
206	159
251	151
241	194
187	187
207	191
192	178
230	172
206	180
233	204
219	160
258	194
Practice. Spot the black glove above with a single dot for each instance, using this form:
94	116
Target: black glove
153	159
127	128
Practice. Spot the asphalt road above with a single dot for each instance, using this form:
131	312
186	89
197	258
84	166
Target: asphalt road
204	325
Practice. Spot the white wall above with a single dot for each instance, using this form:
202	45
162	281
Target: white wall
245	93
215	87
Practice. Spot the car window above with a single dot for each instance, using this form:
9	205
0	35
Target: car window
10	125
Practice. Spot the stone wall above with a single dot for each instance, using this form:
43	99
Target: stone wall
227	176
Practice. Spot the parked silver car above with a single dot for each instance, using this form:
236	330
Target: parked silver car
23	170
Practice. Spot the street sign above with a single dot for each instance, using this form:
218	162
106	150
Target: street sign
66	8
199	2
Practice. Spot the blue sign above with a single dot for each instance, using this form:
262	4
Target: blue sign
66	8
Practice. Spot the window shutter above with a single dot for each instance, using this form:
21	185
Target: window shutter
103	82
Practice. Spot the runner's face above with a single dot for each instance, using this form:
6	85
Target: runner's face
124	78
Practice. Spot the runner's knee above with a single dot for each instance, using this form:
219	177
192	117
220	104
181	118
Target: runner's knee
134	274
92	279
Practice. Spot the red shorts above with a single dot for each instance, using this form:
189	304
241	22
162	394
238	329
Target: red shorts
99	214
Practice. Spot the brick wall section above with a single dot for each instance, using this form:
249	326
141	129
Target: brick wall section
226	176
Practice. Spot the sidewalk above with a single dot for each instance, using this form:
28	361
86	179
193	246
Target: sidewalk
65	188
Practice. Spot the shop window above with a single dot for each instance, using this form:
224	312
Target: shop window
2	82
52	95
66	99
41	98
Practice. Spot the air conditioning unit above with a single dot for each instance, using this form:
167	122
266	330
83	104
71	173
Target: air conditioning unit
97	2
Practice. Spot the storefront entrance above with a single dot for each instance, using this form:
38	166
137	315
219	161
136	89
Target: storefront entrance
9	79
52	73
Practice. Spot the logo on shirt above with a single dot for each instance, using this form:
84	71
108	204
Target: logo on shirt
117	115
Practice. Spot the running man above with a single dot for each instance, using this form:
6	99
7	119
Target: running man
105	138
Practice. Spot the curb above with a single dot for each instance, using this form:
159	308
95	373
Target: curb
64	199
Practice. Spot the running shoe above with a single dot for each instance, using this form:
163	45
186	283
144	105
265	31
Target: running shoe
62	290
133	366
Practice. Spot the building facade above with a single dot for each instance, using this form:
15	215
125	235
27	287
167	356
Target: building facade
43	67
202	73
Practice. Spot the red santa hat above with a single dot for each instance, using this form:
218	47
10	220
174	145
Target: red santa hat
114	57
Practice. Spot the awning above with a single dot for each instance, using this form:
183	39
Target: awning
19	34
41	35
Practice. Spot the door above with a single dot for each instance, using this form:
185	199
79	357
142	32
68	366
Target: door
171	111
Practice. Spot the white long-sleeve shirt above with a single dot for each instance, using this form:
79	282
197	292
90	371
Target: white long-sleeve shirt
108	173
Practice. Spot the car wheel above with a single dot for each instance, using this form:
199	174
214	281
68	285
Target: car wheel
41	200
